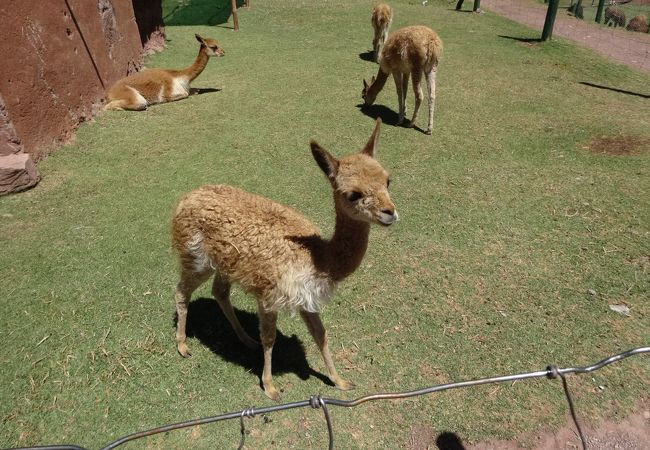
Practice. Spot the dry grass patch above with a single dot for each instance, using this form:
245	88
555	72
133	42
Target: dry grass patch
618	145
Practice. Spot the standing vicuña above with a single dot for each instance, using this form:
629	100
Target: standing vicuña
382	17
615	15
277	254
150	86
415	50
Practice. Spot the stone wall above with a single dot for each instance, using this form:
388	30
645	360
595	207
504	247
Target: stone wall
58	58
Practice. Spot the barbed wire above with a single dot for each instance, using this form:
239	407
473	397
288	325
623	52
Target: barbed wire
318	402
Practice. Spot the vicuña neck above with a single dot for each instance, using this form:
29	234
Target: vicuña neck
376	87
195	69
347	247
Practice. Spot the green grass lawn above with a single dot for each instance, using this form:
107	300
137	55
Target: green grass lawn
509	219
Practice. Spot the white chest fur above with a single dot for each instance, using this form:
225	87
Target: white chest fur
302	289
180	87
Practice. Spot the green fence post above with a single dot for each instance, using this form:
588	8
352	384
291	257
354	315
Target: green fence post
551	12
477	6
599	12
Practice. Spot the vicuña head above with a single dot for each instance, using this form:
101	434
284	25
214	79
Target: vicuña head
147	87
414	50
275	253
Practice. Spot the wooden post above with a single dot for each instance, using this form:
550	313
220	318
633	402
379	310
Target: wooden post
550	19
234	15
599	12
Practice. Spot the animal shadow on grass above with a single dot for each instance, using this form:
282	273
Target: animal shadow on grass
206	322
199	91
368	56
388	116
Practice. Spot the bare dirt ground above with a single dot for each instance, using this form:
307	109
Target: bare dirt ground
625	47
632	433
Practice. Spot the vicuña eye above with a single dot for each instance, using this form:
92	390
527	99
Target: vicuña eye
354	196
388	183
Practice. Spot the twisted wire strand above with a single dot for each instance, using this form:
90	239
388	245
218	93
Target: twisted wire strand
550	372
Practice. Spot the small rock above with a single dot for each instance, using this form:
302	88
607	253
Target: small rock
621	309
591	292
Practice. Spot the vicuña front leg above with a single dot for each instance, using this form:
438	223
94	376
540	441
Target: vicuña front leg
317	330
221	292
399	86
268	320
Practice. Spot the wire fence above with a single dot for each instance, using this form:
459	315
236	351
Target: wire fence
318	402
627	47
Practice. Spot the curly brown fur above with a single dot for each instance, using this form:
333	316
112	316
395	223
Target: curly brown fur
614	15
275	253
414	50
638	23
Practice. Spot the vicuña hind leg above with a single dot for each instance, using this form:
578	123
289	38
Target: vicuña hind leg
221	292
317	330
405	89
416	76
431	84
126	98
268	320
188	284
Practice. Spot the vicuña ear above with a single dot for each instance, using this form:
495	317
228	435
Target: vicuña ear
328	164
365	84
199	38
373	143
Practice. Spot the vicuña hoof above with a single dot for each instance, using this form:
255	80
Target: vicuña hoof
184	350
272	393
345	385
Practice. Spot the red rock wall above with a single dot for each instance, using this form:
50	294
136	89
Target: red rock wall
58	57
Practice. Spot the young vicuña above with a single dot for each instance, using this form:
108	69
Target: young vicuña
382	17
275	253
414	50
150	86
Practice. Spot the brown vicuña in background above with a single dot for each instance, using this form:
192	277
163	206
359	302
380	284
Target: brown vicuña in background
382	17
414	50
275	253
150	86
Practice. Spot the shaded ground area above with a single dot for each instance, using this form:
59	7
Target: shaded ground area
633	433
632	49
